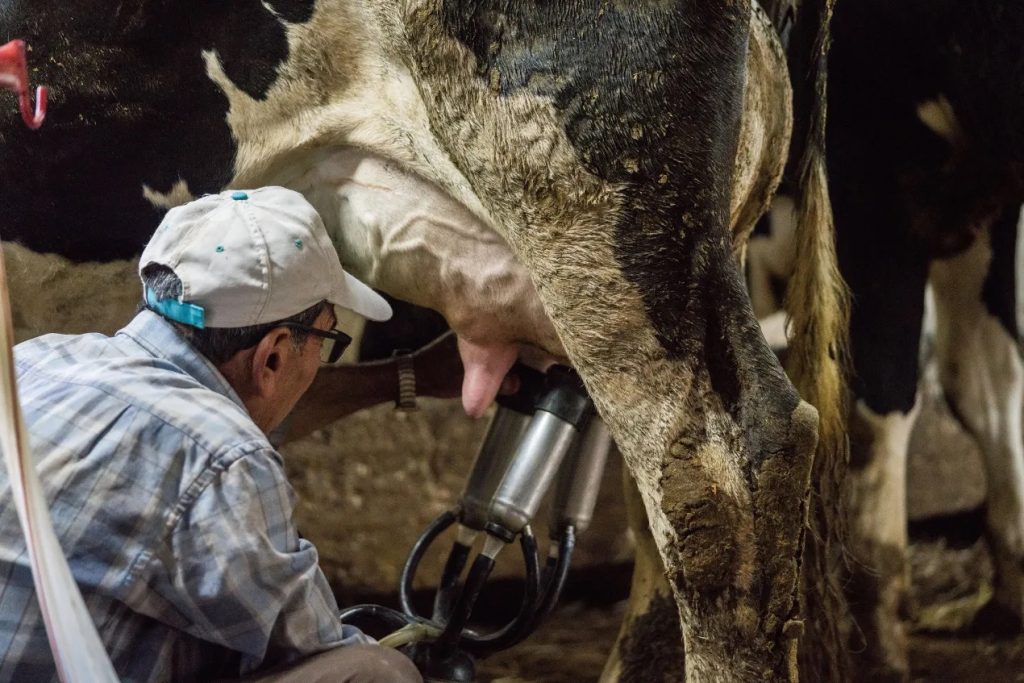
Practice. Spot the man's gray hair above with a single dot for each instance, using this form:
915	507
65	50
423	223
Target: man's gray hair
220	344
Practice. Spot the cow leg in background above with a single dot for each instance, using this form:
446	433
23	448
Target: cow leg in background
649	647
885	332
876	499
983	378
770	258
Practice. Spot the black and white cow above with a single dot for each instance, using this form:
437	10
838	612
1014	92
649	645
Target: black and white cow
926	172
561	176
926	161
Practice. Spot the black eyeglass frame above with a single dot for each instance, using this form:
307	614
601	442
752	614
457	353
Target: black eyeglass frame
341	340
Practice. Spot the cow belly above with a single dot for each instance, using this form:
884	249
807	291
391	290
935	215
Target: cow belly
407	237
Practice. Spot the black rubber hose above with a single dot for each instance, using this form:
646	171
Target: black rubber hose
554	585
522	625
412	563
448	640
447	590
360	615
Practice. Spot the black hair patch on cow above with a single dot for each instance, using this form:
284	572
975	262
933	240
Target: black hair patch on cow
650	96
763	227
75	186
904	193
999	291
879	153
410	327
130	105
886	270
982	52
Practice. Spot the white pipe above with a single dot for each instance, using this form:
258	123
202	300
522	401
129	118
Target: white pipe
77	648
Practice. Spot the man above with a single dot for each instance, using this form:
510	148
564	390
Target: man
169	501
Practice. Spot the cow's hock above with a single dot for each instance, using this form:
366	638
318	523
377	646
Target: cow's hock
735	564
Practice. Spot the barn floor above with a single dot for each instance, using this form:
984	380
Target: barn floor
573	646
950	582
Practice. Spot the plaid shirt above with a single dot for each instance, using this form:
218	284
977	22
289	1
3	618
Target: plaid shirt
172	509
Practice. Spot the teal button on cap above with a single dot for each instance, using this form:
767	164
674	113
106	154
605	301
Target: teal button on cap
239	195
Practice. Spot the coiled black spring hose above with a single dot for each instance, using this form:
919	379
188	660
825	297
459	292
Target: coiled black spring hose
453	617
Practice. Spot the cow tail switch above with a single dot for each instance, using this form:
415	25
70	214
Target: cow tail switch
547	433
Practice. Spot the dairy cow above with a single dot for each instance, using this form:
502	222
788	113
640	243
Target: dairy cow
926	153
926	171
561	176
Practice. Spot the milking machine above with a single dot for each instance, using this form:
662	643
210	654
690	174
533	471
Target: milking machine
546	433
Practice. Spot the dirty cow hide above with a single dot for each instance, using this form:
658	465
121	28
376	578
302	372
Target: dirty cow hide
558	175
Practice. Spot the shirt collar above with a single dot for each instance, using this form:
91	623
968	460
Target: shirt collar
162	340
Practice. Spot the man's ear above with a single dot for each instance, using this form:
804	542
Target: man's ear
270	360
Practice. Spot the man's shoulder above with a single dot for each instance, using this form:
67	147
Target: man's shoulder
171	411
61	347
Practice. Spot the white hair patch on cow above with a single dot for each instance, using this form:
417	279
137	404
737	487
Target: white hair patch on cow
402	233
940	118
878	490
178	194
775	330
876	494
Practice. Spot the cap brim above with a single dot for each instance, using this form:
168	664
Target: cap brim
359	298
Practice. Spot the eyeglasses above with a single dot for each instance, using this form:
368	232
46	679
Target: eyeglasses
333	342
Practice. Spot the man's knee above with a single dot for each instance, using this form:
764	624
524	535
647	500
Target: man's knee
351	664
377	664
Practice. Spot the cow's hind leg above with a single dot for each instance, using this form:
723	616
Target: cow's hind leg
876	498
885	332
615	196
983	377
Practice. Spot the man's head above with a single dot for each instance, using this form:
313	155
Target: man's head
251	280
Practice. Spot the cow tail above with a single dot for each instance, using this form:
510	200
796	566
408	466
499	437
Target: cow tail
818	303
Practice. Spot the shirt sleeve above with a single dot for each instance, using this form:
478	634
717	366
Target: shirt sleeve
234	571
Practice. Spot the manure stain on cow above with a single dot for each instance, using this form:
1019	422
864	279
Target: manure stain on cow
779	504
652	649
708	523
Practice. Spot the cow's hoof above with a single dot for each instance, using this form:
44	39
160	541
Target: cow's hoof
878	593
880	662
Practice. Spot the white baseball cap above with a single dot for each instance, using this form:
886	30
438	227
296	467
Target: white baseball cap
250	257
